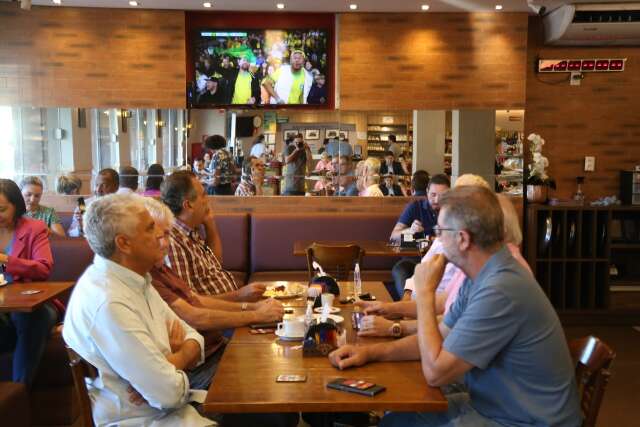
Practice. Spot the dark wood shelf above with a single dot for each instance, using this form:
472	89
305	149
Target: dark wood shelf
625	246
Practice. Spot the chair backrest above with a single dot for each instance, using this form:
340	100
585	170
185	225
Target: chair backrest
82	369
336	260
592	359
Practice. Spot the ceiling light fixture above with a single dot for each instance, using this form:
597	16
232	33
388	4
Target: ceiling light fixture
133	3
424	7
280	5
498	7
57	2
353	6
207	5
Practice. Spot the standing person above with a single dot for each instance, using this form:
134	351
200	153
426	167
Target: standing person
501	333
394	147
155	176
258	149
252	178
31	188
244	86
25	255
221	167
107	182
118	323
297	161
289	84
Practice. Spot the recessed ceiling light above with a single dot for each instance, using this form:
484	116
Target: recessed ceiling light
207	4
280	5
498	7
57	1
133	3
353	6
424	7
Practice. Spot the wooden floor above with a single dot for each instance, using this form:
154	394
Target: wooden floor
621	405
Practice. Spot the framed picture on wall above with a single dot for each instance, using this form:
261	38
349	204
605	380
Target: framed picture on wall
331	133
312	134
344	134
291	133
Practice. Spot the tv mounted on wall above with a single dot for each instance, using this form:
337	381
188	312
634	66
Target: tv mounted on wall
260	67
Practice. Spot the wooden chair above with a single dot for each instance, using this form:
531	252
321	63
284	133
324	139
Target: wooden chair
82	369
336	260
592	359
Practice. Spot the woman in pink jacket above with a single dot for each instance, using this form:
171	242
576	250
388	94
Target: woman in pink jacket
25	255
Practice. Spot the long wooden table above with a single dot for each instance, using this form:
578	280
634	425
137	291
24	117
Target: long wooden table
13	298
370	247
245	379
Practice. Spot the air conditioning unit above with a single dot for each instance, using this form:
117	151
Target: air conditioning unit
593	24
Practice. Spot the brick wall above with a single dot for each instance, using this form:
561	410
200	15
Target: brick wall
82	57
600	118
432	60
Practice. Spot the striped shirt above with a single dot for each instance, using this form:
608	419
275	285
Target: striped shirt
245	189
195	263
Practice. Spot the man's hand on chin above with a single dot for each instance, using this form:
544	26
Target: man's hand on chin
349	356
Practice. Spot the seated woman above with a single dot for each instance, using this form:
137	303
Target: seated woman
68	184
25	255
31	187
155	176
252	178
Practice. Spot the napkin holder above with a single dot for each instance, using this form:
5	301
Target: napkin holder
321	338
409	239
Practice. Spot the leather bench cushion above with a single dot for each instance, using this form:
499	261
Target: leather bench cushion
273	236
302	276
71	256
14	405
234	233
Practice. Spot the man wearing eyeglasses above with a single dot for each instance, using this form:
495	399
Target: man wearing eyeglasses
502	333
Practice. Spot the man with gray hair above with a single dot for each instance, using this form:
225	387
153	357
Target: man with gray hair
502	333
118	323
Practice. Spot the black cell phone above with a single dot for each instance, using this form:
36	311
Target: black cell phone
264	325
363	387
367	297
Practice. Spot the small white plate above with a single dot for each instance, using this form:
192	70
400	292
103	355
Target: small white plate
333	310
335	317
283	337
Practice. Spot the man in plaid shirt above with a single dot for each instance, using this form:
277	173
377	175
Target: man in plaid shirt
194	259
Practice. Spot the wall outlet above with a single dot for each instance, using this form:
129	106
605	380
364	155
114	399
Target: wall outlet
589	164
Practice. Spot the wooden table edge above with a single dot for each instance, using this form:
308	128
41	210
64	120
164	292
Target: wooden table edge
320	406
67	283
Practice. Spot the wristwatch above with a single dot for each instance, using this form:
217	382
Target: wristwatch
396	330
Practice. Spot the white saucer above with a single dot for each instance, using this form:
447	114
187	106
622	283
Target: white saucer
335	317
333	310
280	334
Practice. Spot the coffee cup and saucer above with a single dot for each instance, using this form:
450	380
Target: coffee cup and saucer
327	300
290	330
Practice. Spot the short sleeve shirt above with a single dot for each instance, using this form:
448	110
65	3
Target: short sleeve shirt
45	214
423	212
297	87
503	324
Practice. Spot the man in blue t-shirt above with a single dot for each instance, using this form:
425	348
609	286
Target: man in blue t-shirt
501	333
419	216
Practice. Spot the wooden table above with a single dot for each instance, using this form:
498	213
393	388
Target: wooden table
13	299
371	247
245	377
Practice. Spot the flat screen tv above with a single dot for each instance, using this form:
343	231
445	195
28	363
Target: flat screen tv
260	67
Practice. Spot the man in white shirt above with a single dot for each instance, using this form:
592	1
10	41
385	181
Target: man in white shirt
117	322
107	182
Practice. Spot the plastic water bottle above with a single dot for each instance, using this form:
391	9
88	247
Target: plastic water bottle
357	281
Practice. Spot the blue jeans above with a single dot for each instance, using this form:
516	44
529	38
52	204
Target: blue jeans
459	414
26	334
200	377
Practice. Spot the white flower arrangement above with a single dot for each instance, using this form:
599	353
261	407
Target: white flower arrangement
537	169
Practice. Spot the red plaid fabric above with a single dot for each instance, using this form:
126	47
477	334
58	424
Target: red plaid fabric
195	263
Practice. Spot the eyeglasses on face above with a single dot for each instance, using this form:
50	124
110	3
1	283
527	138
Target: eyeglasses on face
437	230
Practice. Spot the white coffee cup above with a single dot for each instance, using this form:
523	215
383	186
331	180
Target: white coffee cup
291	328
327	299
